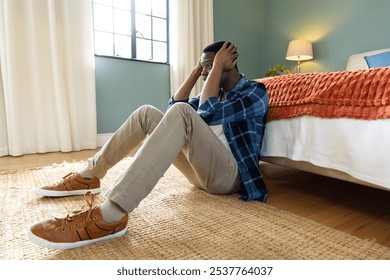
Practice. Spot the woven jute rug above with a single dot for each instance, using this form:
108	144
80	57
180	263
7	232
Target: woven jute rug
176	221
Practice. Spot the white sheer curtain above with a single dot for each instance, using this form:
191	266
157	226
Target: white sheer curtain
47	78
191	29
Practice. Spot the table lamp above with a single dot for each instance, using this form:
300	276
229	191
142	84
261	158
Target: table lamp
299	50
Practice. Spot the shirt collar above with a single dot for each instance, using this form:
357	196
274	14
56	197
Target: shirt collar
238	87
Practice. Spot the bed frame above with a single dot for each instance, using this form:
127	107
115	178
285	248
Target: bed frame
311	168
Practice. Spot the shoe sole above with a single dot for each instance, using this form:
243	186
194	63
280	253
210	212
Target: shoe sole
66	246
43	192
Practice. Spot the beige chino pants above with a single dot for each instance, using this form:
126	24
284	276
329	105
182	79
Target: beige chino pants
179	136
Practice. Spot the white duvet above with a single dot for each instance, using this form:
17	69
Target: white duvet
360	148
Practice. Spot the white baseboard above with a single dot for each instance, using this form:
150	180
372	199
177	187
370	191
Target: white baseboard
103	138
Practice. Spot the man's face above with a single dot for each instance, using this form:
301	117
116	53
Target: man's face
206	60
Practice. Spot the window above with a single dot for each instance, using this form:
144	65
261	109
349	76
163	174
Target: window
133	29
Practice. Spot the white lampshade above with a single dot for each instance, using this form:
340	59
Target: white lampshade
299	50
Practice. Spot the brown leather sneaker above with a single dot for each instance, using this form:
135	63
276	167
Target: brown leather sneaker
71	184
75	230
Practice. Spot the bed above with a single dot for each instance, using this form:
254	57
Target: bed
334	124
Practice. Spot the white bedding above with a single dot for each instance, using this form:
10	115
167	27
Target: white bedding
359	148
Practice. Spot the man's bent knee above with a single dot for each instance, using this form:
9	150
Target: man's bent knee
145	112
180	108
147	109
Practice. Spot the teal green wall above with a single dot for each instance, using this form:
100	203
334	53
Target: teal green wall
242	22
123	85
338	28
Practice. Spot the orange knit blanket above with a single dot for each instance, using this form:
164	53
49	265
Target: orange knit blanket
361	94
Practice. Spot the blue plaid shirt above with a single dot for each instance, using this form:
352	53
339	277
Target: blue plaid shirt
242	115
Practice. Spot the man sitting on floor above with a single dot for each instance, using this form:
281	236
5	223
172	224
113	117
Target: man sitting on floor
214	139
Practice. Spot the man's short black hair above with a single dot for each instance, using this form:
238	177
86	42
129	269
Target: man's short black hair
214	47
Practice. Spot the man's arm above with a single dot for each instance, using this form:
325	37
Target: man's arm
224	60
184	91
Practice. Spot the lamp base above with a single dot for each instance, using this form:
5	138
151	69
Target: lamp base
298	66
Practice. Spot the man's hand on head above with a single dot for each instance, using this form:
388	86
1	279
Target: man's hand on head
226	57
198	68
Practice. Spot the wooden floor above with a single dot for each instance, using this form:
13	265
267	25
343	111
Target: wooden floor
358	210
